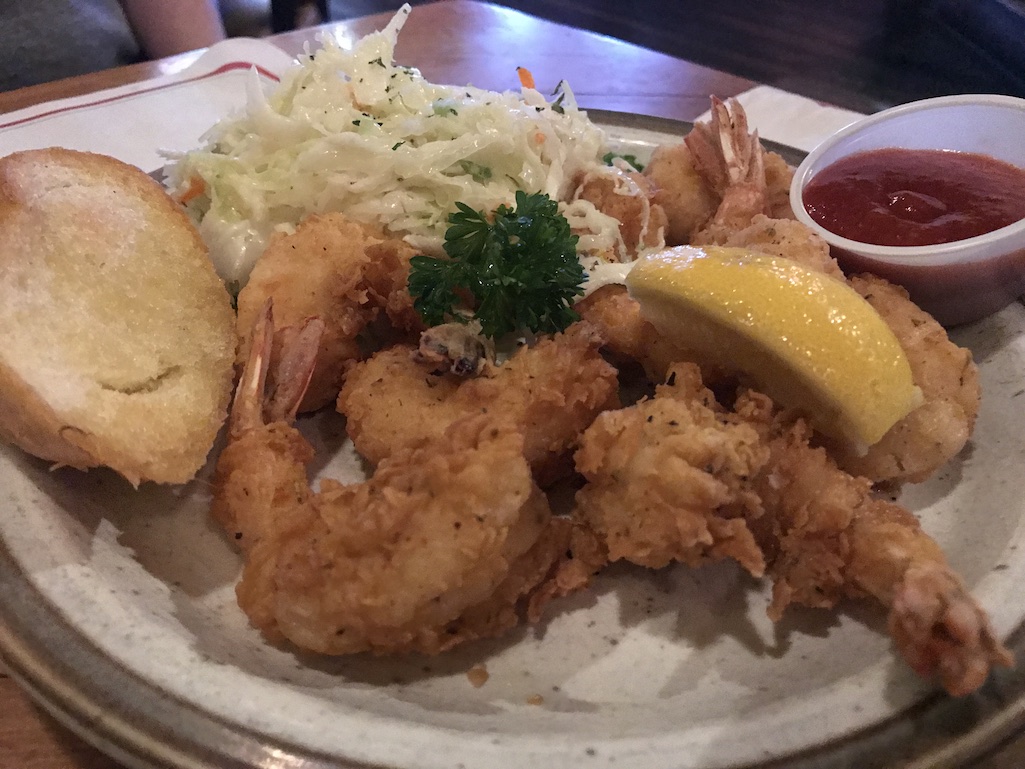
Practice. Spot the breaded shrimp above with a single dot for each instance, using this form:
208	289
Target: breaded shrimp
627	335
731	161
934	433
626	196
387	279
681	477
630	337
718	169
911	451
668	481
685	196
715	181
551	391
449	541
340	271
826	537
752	192
788	238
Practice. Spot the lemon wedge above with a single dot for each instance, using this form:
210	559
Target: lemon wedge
807	340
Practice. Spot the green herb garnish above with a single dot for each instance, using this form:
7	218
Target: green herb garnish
608	157
442	109
519	269
476	171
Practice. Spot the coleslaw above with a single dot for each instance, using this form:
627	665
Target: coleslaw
348	130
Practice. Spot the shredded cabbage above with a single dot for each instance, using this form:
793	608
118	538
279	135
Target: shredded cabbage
350	131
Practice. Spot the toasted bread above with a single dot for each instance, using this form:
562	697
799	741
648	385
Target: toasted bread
116	334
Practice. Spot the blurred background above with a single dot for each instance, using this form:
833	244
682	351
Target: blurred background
860	54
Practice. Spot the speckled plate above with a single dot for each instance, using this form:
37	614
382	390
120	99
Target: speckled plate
119	616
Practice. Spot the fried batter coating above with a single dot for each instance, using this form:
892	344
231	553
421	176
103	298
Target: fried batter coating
680	477
668	480
826	537
683	193
551	391
787	238
778	176
714	182
340	271
449	540
935	432
628	197
628	336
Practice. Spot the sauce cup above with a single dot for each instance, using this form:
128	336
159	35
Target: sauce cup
956	282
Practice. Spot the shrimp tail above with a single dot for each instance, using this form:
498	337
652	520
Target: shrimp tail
247	406
725	151
271	388
294	370
941	631
731	159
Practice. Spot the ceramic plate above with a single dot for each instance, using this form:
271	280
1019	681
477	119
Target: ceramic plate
119	615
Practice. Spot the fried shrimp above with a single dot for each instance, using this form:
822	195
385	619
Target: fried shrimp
732	164
668	481
627	335
336	269
628	197
630	337
683	193
788	238
680	477
715	181
731	159
937	431
449	540
911	451
551	391
826	537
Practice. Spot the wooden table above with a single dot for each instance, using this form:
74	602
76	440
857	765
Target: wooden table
453	41
459	42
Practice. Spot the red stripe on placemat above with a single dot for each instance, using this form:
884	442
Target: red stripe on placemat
228	67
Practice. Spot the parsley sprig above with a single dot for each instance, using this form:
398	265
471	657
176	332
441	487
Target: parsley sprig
518	270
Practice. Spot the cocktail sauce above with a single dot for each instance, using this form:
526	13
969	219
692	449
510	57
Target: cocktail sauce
902	197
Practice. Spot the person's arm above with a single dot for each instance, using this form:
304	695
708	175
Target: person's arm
165	27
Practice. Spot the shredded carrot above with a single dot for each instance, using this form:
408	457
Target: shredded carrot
539	137
526	79
196	188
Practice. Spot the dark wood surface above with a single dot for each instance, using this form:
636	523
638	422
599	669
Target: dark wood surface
862	55
461	42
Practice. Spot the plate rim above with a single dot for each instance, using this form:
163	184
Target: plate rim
673	126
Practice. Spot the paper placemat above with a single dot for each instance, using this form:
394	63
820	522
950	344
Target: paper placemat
791	119
134	123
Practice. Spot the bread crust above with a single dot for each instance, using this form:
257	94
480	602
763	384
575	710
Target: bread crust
117	337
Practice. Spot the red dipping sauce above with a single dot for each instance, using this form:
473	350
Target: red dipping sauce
902	197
